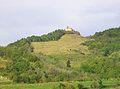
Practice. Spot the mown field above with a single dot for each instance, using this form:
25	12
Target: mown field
108	84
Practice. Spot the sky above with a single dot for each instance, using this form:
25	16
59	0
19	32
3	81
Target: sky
23	18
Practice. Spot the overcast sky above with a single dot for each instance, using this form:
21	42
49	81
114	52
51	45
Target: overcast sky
22	18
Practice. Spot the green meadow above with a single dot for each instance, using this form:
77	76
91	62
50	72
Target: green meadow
108	84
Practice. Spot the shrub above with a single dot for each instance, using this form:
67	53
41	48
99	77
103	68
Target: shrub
97	84
80	86
66	86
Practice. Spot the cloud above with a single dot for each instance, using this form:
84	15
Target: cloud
4	33
22	18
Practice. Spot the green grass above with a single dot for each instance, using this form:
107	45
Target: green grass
27	86
109	84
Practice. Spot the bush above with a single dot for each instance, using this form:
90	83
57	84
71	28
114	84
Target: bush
97	84
66	86
80	86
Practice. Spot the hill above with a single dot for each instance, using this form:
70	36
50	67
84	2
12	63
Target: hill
24	59
69	43
62	56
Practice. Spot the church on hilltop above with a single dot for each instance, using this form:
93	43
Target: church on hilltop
69	29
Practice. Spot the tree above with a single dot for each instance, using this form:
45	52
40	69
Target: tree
68	63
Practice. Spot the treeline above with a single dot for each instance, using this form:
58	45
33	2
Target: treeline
55	35
52	36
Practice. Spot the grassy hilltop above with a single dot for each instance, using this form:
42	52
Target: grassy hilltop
69	43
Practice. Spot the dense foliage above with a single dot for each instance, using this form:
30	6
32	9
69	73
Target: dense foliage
55	35
24	66
104	60
105	42
2	51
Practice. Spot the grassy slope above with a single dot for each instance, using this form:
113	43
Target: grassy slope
68	47
69	43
